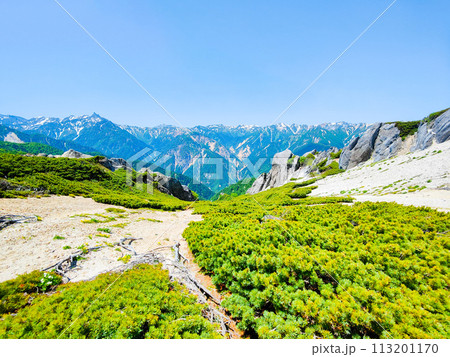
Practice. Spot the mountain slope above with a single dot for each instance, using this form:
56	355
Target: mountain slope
7	133
198	152
28	148
89	131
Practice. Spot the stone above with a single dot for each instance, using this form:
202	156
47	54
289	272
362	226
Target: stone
441	127
169	185
388	143
362	148
286	167
437	131
115	164
72	154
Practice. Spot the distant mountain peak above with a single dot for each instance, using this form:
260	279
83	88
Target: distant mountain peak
235	146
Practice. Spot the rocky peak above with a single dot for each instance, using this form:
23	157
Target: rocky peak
288	167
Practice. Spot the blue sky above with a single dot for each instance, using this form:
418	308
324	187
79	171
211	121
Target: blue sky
229	62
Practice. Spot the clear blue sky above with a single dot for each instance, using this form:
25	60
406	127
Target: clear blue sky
230	62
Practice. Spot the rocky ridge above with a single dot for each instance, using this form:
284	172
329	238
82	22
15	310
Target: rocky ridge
379	142
289	167
383	141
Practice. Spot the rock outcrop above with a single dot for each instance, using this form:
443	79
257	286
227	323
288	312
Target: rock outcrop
360	148
72	154
438	131
288	167
13	138
115	164
383	141
168	185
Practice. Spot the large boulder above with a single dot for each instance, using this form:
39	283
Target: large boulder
383	141
72	154
424	138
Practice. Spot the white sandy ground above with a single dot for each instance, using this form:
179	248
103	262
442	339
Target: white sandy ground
30	246
421	178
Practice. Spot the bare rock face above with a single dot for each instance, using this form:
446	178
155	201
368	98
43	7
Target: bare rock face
441	127
437	131
383	141
360	149
286	167
388	142
282	168
72	154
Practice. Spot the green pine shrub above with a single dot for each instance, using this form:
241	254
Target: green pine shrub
140	303
325	270
16	293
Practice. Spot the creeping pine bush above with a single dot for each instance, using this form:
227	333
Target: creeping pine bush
16	293
280	276
141	303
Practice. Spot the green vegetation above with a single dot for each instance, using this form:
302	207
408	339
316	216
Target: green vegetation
58	237
370	270
306	183
234	190
301	192
106	230
17	293
77	177
407	128
125	259
115	210
150	220
321	164
143	303
331	172
28	148
336	155
302	160
434	115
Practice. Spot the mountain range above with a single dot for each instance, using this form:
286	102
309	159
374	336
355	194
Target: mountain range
241	151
